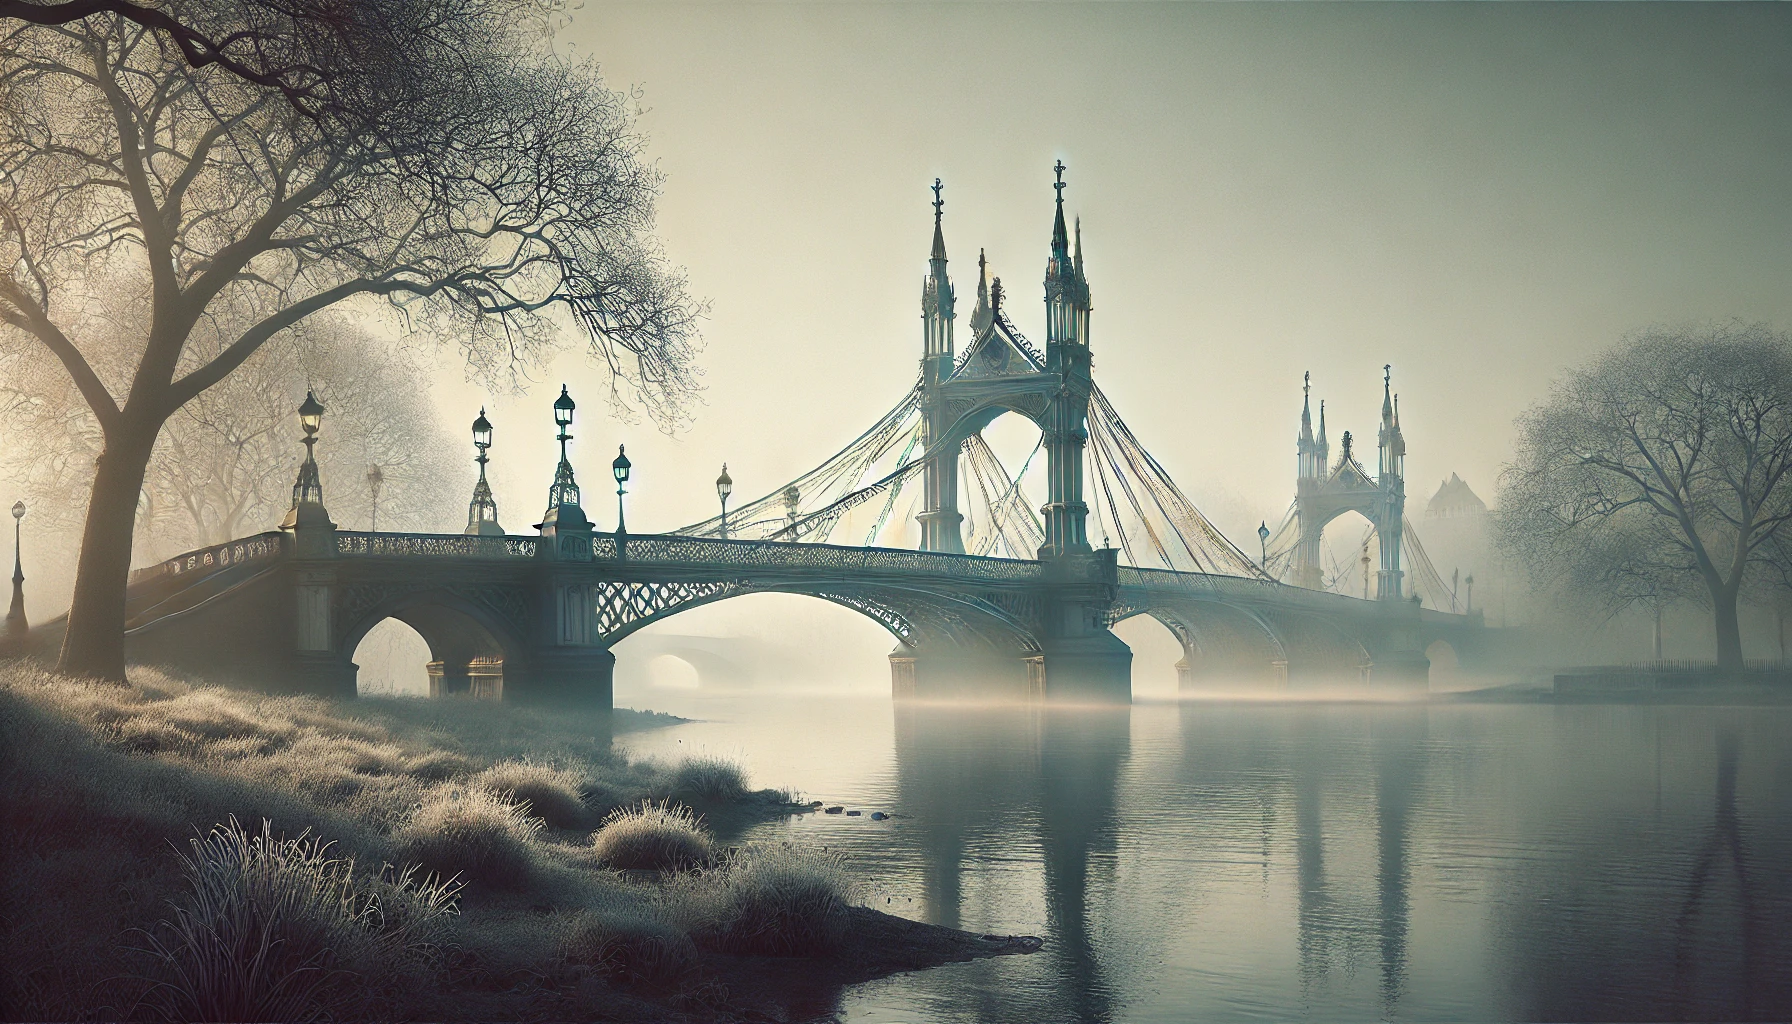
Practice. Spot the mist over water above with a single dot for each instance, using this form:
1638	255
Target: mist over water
1270	861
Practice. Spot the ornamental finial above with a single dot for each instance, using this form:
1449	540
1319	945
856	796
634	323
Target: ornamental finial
939	205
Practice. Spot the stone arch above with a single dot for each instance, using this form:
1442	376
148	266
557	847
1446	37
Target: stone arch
1027	403
1320	650
1445	659
916	618
468	644
391	659
1172	626
1225	646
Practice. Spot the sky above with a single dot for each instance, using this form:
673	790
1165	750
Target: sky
1479	195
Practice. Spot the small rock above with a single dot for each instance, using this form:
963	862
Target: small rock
835	810
853	814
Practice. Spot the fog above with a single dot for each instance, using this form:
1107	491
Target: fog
1478	195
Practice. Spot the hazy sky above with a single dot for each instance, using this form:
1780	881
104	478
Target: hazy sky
1480	195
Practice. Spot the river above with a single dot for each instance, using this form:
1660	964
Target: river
1281	861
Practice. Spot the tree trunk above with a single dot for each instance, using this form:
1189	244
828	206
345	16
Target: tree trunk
94	642
1729	630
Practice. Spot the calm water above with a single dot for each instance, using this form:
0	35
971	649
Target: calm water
1319	862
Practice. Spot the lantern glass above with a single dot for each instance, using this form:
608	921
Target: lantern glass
724	483
18	510
563	407
482	431
311	413
621	466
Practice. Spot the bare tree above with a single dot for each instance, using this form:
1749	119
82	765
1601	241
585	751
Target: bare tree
224	463
1658	471
480	185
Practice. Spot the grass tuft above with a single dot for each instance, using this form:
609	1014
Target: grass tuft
773	900
473	834
553	794
658	836
272	926
713	779
636	949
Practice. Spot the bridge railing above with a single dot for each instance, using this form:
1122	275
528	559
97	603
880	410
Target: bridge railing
667	549
1235	587
440	545
261	547
671	549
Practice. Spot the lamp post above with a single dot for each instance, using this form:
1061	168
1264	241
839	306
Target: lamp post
375	477
1263	544
307	510
620	468
792	498
1468	607
16	626
724	487
1365	570
482	512
308	488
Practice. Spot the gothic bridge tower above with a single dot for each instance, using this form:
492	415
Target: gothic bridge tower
1001	372
1324	491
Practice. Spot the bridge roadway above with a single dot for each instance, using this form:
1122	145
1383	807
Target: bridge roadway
531	617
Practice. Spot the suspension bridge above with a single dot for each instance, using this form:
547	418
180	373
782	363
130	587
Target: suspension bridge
1005	595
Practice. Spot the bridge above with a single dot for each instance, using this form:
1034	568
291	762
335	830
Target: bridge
1002	598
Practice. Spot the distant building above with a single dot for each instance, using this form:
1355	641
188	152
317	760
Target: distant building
1455	500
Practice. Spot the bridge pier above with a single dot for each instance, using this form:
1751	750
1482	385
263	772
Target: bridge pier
582	678
958	675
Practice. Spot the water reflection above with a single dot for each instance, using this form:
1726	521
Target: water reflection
1346	862
1019	783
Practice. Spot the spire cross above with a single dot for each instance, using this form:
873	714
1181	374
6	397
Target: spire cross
1306	387
1387	373
939	205
1058	169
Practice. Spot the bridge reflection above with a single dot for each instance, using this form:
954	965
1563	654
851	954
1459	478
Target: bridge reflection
997	790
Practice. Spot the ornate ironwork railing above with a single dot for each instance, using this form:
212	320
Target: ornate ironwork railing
440	545
261	547
666	549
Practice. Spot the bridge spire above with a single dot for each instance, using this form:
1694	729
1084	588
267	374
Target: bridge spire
1306	407
1065	301
1311	454
983	315
937	300
940	519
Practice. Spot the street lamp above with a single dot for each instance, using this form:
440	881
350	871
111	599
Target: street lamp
792	498
375	477
724	487
1468	607
482	512
16	626
308	489
620	469
563	407
1263	543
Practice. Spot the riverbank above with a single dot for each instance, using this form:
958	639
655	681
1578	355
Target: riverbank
108	787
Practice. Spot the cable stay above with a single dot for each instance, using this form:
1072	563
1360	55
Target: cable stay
1013	525
837	479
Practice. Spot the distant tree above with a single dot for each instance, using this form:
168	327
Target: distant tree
224	463
1658	471
479	184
